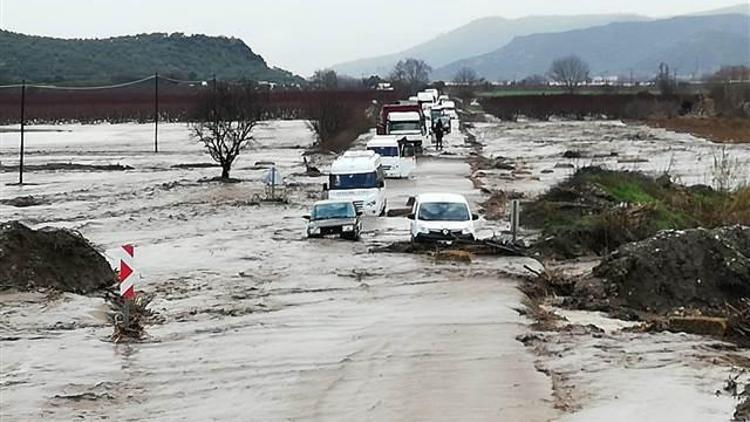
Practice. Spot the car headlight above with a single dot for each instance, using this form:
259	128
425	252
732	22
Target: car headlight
347	228
466	231
422	229
314	230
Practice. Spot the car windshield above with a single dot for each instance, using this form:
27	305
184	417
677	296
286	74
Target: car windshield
334	210
404	126
354	181
385	151
443	211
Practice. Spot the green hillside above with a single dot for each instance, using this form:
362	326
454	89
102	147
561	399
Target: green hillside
86	61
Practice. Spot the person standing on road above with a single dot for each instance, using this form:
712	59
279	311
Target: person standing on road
438	131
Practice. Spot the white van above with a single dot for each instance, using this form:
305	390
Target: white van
398	157
441	217
357	176
449	108
435	94
425	97
409	124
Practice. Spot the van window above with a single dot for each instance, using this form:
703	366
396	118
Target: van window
443	211
354	181
385	151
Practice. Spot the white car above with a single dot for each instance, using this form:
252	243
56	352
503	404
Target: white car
441	217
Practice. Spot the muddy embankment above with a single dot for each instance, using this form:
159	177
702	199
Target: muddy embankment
50	258
730	130
633	258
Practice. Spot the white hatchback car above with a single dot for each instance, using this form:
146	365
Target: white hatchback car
441	217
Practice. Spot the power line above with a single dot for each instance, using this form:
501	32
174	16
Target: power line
81	88
100	87
181	81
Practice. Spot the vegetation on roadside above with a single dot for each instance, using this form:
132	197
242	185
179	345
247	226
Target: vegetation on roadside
338	124
597	210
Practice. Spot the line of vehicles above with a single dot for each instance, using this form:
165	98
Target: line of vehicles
357	184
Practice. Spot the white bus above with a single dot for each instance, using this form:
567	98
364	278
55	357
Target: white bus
358	176
398	157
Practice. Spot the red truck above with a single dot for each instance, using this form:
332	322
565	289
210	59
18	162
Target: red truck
382	126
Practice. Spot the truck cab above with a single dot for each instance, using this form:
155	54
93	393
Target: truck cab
409	125
398	157
357	176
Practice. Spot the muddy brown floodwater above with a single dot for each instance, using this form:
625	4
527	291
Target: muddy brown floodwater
259	323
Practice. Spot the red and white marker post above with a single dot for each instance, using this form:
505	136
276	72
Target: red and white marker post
127	269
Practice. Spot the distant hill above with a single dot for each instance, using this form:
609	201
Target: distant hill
477	37
742	9
82	61
689	44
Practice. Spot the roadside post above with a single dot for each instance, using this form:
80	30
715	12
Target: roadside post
272	178
127	270
126	279
156	112
514	218
23	127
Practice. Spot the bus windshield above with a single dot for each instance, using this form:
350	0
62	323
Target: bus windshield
354	181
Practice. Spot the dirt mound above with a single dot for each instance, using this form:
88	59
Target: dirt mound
70	166
23	201
458	247
697	268
51	258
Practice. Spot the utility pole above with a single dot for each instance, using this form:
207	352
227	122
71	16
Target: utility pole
23	124
156	112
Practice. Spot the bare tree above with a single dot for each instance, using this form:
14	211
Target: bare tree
467	76
411	74
325	79
336	122
571	71
224	120
664	80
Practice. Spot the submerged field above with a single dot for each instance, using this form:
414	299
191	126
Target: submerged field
271	326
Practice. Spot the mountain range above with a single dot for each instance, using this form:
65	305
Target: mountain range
111	60
477	37
499	48
691	45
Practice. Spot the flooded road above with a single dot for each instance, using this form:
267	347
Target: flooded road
258	322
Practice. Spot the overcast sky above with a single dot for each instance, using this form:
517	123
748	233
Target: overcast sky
304	35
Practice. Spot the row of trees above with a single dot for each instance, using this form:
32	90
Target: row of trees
410	75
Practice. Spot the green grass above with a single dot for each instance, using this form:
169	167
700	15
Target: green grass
516	91
584	213
593	90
